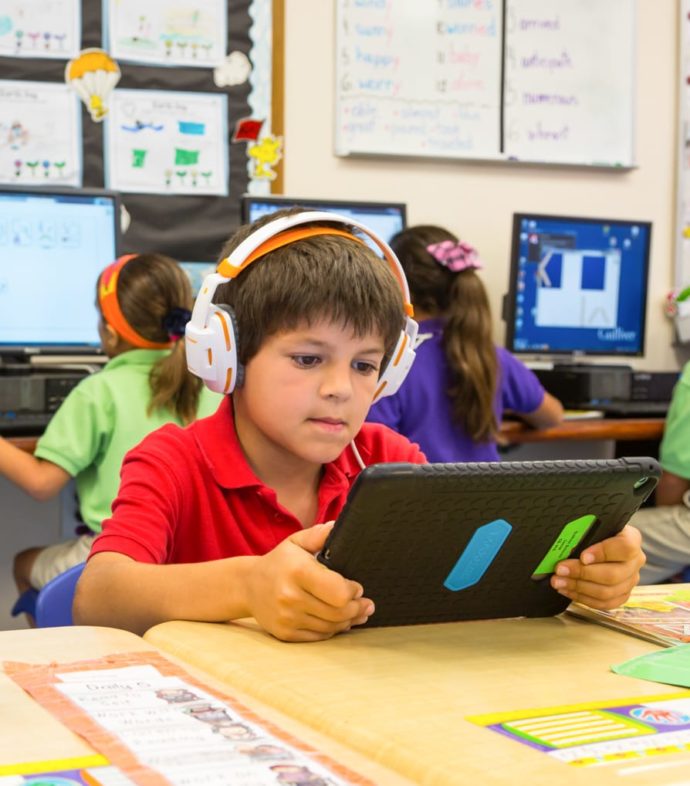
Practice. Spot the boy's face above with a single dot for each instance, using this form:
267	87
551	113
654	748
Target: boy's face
306	393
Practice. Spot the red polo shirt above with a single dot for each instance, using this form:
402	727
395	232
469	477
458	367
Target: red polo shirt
189	495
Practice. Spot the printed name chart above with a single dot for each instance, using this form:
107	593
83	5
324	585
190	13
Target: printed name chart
157	725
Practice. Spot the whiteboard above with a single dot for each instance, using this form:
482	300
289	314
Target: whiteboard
521	80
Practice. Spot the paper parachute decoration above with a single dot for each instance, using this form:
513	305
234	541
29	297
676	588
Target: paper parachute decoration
93	74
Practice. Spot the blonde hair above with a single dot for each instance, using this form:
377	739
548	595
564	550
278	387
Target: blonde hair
461	299
149	288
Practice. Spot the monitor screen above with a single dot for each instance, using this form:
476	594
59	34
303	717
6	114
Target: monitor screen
578	286
384	218
197	272
53	245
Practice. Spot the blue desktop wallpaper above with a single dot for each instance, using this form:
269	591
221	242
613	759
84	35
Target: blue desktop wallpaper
578	285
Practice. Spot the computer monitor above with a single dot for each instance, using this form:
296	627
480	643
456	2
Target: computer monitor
384	218
53	245
197	272
578	286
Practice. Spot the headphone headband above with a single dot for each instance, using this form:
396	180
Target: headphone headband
110	307
210	335
279	241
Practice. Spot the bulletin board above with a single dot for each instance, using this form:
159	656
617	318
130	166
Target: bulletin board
546	81
234	101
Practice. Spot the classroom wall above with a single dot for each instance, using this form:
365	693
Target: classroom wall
476	200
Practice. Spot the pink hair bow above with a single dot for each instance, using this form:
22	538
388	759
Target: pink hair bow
455	256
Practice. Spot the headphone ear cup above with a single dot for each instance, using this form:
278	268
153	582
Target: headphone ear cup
238	367
399	363
212	349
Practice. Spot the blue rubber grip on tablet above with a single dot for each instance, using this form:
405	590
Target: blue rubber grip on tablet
478	555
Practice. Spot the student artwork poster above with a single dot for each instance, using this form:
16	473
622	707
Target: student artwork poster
40	133
160	142
40	28
157	32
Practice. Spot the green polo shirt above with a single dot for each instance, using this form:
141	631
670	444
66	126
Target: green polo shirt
674	455
102	418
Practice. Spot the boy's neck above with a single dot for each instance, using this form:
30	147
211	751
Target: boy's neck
295	481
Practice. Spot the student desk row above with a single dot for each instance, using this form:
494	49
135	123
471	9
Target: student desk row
618	429
28	733
390	703
516	432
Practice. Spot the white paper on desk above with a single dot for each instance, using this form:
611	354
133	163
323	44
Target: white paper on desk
185	733
128	672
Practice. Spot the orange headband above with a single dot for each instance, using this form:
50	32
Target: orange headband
112	314
278	241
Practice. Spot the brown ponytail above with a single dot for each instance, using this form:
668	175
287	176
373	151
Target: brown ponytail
149	288
472	356
461	299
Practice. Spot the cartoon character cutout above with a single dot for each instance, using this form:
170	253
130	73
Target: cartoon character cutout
93	74
266	154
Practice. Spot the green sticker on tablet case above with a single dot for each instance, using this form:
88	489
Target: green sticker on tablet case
563	546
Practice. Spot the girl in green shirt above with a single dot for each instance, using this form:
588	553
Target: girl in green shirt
144	303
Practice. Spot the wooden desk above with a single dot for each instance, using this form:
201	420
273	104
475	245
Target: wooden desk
401	695
29	733
27	444
516	432
618	429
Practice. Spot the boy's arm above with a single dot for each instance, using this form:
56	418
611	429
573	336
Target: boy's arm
39	478
287	591
605	574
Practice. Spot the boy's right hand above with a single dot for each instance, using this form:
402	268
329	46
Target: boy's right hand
296	598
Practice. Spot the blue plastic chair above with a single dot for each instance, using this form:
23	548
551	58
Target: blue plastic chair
51	606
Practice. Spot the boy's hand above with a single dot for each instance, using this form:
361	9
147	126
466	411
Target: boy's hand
605	573
294	597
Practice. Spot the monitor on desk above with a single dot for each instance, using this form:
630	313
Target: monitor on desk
197	272
578	286
384	218
53	245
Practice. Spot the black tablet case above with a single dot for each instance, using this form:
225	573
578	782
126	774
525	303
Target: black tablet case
405	526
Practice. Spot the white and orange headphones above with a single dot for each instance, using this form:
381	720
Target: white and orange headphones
210	337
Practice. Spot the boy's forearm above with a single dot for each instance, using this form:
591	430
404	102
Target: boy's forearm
118	592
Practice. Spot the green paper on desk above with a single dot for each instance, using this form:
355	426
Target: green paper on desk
670	666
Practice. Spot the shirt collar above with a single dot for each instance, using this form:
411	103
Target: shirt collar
220	447
137	357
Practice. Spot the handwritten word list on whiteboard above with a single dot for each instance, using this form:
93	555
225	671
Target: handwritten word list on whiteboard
528	80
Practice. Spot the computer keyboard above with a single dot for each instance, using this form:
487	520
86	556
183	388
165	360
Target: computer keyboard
632	409
24	423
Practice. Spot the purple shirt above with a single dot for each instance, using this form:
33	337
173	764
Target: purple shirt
421	410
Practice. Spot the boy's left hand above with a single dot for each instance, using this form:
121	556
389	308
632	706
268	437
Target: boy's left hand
605	573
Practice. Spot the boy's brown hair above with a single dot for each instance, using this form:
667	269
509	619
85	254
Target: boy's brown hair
323	277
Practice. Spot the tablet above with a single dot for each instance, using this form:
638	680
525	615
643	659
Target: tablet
445	542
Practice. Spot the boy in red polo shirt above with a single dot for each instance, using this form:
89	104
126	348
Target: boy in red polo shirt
222	519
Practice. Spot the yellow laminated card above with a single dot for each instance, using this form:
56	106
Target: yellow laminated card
597	733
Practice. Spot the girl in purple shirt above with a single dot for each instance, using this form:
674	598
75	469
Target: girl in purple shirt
460	384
